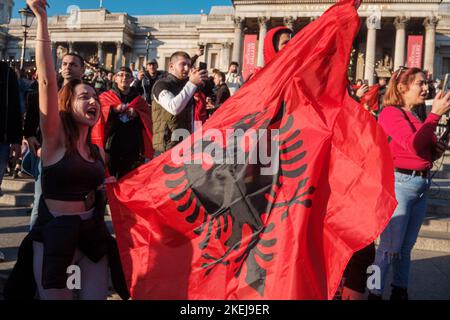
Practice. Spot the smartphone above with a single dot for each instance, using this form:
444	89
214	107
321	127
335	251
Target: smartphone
366	82
203	66
446	84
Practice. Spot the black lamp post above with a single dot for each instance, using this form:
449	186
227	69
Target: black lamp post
26	16
148	42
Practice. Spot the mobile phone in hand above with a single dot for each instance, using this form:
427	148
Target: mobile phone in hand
203	66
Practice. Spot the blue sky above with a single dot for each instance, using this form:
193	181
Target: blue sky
133	7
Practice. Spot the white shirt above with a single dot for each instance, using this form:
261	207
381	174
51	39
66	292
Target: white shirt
176	104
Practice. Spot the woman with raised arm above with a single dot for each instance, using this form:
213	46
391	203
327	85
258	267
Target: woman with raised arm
70	244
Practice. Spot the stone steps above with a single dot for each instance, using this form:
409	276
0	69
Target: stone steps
436	223
16	199
440	189
20	184
17	192
441	175
433	241
439	207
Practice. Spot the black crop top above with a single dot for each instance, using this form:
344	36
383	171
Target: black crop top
72	178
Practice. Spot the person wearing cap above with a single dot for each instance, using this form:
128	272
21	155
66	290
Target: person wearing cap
151	75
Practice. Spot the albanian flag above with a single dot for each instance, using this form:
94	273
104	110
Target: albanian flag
252	229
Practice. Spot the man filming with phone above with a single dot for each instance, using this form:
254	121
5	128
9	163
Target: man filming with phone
173	103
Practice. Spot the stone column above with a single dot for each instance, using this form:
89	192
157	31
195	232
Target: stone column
400	41
369	69
226	54
289	22
119	55
430	43
262	22
100	53
238	26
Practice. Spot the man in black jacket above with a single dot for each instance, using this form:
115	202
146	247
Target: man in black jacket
10	117
151	75
222	92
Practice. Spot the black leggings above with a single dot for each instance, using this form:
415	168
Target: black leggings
356	272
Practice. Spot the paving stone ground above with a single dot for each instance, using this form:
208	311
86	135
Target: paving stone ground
430	271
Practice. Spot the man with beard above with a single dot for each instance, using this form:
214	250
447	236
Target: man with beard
151	75
173	103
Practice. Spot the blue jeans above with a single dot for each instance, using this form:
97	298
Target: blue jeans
37	195
400	235
4	158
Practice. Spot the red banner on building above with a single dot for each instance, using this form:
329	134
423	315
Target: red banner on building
249	61
414	58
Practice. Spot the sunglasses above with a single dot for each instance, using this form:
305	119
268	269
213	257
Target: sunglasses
400	70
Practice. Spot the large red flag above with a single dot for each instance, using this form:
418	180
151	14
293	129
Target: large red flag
213	230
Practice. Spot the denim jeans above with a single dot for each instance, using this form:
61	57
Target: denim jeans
400	235
37	194
4	158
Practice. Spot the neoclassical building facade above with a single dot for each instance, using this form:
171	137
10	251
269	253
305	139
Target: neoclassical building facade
390	32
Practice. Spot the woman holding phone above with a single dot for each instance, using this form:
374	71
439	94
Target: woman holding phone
414	147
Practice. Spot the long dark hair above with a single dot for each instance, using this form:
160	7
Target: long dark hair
69	124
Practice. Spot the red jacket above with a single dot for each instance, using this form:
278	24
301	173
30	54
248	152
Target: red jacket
110	99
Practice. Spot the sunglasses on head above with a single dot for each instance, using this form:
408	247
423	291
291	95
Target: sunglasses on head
400	70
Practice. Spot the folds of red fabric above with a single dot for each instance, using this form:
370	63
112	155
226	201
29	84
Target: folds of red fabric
226	231
371	97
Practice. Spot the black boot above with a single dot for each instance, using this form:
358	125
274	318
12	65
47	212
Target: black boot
399	293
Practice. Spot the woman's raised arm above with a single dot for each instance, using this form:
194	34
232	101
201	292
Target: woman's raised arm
50	123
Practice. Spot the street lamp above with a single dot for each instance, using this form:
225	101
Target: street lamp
148	42
26	16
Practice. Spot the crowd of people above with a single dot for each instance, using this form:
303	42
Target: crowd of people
85	127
